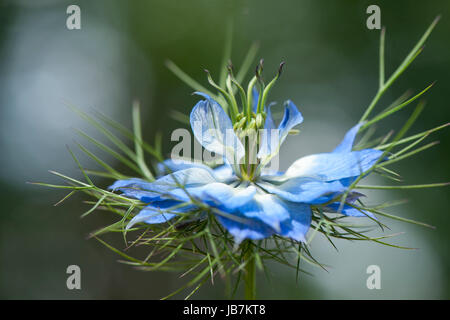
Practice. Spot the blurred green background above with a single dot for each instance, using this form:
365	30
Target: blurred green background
118	55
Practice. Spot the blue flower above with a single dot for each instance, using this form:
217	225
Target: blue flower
260	204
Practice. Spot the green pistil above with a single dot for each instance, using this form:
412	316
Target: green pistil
269	86
251	84
246	121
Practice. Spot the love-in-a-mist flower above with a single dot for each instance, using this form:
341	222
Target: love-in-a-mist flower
193	210
249	200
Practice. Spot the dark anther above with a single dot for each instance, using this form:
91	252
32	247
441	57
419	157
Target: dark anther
280	68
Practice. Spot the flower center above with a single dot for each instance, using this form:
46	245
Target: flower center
248	116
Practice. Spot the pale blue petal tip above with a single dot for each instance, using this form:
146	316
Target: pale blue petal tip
347	143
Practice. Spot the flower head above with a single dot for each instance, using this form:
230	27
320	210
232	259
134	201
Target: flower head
249	200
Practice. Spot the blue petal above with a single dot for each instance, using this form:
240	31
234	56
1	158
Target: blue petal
218	195
270	137
269	123
267	208
245	201
144	196
224	173
170	165
213	129
255	97
267	214
186	177
346	144
221	173
226	197
150	215
241	228
180	180
300	220
348	210
136	182
334	166
305	190
291	118
133	188
158	212
269	142
270	173
161	188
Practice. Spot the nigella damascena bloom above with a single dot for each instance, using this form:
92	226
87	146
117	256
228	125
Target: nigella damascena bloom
248	200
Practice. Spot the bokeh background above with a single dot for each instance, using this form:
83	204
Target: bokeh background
118	55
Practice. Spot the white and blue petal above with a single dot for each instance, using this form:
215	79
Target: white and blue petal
267	208
244	201
159	212
334	165
224	173
226	197
186	177
134	188
221	173
242	228
218	195
129	183
304	190
161	188
214	131
144	196
272	138
150	215
249	203
346	144
291	118
173	165
267	173
299	222
267	214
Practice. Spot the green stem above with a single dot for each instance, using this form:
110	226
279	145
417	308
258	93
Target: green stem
250	274
251	84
